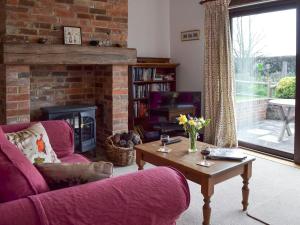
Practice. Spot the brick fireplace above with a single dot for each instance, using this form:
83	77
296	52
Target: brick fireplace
36	75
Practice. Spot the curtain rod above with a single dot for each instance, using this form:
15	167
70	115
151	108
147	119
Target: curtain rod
204	1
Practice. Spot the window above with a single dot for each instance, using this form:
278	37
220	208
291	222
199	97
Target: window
264	50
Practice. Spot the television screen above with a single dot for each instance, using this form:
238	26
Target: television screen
165	99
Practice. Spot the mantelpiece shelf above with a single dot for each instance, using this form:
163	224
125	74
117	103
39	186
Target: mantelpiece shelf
44	54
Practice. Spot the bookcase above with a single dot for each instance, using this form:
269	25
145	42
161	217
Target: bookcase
148	75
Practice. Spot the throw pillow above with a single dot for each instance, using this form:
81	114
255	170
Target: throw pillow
34	143
62	175
18	177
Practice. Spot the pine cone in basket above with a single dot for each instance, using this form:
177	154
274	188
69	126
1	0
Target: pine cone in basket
125	136
123	143
116	139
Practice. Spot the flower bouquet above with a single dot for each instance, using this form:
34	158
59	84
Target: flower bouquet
192	126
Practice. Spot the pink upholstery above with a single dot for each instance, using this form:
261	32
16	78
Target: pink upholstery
59	132
151	197
18	177
19	212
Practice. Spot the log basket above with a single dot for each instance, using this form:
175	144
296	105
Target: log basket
119	156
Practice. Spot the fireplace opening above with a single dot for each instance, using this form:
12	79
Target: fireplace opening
82	118
32	87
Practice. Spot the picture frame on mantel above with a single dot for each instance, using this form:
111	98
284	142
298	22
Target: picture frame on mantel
72	36
190	35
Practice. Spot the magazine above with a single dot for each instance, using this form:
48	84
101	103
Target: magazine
226	154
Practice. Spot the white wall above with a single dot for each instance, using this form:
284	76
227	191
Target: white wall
154	28
149	27
187	15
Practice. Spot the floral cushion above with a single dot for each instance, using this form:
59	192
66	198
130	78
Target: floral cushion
34	143
62	175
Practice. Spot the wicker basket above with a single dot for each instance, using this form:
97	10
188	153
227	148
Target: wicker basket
119	156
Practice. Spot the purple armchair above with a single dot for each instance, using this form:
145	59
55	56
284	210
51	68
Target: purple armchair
156	196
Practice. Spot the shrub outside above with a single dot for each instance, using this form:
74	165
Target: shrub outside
286	88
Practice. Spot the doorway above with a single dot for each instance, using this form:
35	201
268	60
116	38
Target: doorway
264	39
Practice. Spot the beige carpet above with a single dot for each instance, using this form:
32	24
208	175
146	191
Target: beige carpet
270	179
279	209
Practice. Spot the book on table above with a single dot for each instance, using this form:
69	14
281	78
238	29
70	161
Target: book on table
226	154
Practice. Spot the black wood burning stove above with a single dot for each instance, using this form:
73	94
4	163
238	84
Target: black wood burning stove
83	120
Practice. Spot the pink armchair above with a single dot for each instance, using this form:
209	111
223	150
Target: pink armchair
152	197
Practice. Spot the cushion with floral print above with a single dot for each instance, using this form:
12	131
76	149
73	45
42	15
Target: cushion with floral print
34	143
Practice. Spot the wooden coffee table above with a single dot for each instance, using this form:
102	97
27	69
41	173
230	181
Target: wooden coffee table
185	162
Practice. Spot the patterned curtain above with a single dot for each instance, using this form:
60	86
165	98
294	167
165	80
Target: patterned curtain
219	78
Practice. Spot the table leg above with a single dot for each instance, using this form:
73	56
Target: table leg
139	161
207	191
245	190
286	120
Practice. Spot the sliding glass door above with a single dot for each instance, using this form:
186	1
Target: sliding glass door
265	49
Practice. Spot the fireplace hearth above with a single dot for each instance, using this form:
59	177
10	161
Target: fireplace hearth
33	78
82	119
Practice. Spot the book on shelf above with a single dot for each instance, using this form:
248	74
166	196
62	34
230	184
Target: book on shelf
161	87
142	91
140	110
143	74
150	74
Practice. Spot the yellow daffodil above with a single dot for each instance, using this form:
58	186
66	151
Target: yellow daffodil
182	119
192	122
192	125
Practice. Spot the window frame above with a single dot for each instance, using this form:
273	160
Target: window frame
265	7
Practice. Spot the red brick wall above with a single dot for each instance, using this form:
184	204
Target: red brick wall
27	20
120	98
25	89
60	85
28	88
2	19
17	94
111	95
250	111
2	95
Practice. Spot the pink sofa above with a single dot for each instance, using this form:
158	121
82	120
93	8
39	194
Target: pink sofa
156	196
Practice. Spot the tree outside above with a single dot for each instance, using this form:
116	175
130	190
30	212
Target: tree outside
257	74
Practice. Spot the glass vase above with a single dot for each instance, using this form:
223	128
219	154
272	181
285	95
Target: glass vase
193	142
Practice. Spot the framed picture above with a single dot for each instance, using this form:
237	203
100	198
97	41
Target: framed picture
72	35
190	35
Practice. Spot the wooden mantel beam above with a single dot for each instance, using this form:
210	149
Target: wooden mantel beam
39	54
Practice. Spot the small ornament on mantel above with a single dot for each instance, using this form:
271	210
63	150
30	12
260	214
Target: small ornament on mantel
42	40
105	43
94	43
102	43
